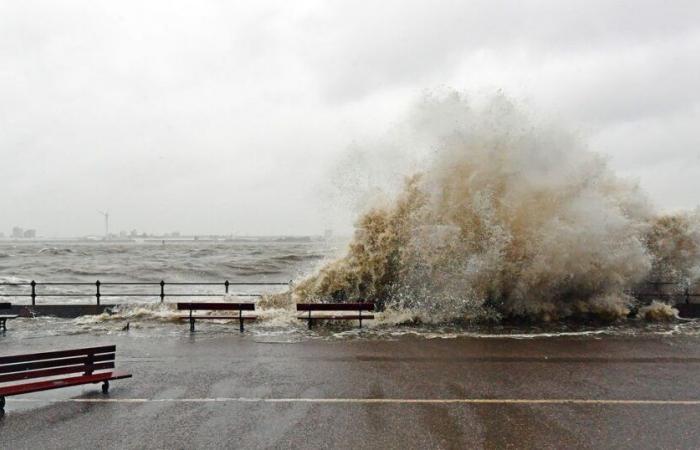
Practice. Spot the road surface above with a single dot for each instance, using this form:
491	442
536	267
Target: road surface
233	391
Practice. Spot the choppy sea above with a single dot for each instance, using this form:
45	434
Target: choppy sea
270	260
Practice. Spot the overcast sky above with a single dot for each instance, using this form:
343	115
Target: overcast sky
227	117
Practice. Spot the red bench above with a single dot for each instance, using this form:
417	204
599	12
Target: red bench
240	307
61	368
5	317
334	307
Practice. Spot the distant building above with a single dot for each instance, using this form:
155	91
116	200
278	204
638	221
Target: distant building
134	234
123	234
17	232
328	234
176	234
30	234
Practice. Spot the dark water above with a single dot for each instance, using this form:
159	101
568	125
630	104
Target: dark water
172	261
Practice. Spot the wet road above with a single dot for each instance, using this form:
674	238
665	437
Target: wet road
231	391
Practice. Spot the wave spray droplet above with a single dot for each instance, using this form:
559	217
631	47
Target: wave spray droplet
510	218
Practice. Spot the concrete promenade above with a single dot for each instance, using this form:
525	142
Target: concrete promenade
232	391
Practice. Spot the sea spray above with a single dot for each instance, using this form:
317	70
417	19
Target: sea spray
657	311
161	312
509	218
674	242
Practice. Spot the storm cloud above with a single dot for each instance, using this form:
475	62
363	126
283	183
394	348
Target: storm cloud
227	117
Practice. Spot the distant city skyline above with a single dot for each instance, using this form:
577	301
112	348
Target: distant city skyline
21	233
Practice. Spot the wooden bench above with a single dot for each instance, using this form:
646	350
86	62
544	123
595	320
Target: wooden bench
5	317
94	365
335	307
240	307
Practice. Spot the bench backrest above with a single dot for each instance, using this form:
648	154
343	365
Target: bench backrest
335	306
217	306
49	364
5	305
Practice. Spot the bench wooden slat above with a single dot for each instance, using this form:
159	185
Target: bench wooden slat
219	317
37	386
57	354
46	363
56	371
368	317
335	306
217	306
5	305
8	316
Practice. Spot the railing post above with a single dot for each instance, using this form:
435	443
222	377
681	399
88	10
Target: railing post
97	295
162	291
226	283
33	284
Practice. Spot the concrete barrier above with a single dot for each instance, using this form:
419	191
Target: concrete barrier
63	311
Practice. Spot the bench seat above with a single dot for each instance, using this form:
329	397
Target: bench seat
219	317
342	317
25	388
223	308
5	317
75	367
335	311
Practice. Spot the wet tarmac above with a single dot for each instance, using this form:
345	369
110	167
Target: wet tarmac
232	391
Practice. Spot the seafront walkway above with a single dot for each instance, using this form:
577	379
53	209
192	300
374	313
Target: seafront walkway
231	391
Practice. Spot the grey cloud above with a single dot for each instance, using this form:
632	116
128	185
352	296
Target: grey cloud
359	50
226	116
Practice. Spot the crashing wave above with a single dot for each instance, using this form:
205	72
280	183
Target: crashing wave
510	218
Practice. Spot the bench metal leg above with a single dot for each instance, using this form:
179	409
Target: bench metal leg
191	324
2	405
105	387
3	324
240	319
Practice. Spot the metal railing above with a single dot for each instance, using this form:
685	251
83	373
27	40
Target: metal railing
98	293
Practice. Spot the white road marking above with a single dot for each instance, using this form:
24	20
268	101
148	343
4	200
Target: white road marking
429	401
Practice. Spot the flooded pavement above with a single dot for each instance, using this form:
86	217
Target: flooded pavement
225	390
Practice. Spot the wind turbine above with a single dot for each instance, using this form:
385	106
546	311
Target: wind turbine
106	214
